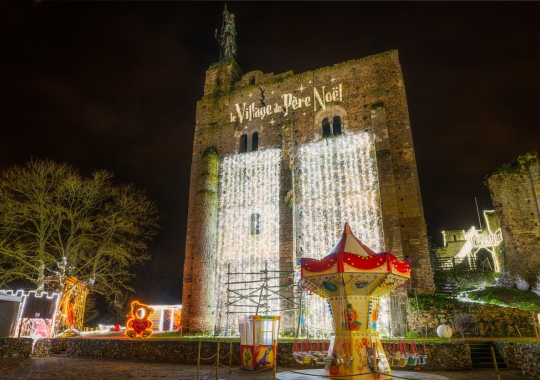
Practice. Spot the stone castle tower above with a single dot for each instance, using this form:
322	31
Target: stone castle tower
515	192
281	162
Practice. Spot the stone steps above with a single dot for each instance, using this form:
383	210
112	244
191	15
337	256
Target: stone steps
481	355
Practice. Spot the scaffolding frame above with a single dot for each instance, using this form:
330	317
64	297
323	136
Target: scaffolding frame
255	294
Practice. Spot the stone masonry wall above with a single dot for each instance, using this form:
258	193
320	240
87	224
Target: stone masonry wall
286	232
515	193
373	99
445	356
507	351
198	296
50	346
172	351
494	321
440	355
20	347
523	356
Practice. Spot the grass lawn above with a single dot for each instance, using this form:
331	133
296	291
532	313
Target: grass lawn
519	299
175	335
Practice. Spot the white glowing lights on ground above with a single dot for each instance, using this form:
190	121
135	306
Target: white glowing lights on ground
337	183
248	186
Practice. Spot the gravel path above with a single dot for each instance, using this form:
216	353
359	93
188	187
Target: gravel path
63	368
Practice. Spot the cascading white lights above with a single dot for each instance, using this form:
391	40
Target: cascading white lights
337	183
248	226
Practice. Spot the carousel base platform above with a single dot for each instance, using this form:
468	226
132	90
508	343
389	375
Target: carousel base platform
318	374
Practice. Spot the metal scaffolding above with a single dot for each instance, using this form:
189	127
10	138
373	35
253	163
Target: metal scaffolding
253	295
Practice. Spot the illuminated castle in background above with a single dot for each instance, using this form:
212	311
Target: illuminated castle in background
281	162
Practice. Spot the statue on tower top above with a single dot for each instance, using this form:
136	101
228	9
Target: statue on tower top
227	37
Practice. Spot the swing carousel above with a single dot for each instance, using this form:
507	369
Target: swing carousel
353	279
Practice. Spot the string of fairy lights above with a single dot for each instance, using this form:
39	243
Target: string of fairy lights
337	183
248	226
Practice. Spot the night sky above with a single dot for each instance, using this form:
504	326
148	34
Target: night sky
114	85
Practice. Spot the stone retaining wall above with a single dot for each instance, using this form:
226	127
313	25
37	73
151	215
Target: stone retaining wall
176	351
47	347
506	350
454	355
494	321
19	347
184	352
523	356
443	356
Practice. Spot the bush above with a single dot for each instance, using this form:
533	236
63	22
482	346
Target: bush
536	288
504	280
427	302
521	284
466	279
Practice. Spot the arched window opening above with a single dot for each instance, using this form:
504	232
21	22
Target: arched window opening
455	237
325	128
255	224
252	80
336	125
255	142
243	144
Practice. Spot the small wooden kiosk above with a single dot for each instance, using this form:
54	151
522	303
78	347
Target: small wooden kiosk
258	340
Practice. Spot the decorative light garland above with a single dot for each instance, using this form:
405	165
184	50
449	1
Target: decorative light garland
337	183
476	240
248	185
138	323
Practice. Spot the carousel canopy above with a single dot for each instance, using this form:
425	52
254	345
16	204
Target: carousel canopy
350	244
364	271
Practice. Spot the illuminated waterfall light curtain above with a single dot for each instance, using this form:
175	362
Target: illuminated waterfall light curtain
248	229
337	183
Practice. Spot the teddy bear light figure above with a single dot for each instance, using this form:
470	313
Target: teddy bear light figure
138	324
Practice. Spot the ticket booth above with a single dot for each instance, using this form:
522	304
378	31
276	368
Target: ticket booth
258	340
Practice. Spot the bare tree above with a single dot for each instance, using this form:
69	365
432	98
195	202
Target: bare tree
55	225
464	322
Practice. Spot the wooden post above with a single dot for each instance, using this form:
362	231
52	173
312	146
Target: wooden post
519	332
535	326
217	359
275	359
495	362
228	295
374	350
230	357
199	360
479	332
